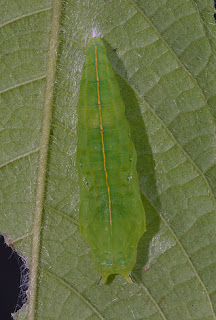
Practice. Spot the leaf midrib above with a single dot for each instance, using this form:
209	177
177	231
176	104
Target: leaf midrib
44	145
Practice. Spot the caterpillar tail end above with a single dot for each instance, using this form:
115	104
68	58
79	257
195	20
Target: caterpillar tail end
129	278
102	280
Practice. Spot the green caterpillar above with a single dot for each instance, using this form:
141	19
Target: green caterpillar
111	217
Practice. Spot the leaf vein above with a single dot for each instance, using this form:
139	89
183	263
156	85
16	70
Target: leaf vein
23	83
24	16
174	55
18	157
12	242
62	214
195	166
183	251
151	297
175	140
71	288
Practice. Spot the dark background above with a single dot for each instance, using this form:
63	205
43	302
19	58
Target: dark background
12	270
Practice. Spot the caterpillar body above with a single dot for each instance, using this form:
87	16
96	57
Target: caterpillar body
111	216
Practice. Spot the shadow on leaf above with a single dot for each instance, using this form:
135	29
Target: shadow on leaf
145	162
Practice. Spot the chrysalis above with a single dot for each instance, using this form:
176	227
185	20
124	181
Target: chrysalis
111	217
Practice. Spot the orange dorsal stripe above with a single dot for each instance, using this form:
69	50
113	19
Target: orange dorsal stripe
102	137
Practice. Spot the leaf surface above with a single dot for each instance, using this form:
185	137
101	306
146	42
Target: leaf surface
163	53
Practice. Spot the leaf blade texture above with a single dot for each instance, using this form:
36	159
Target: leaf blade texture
164	63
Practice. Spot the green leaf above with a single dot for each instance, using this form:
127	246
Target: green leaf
165	64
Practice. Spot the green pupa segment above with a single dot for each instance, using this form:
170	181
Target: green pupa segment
111	216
